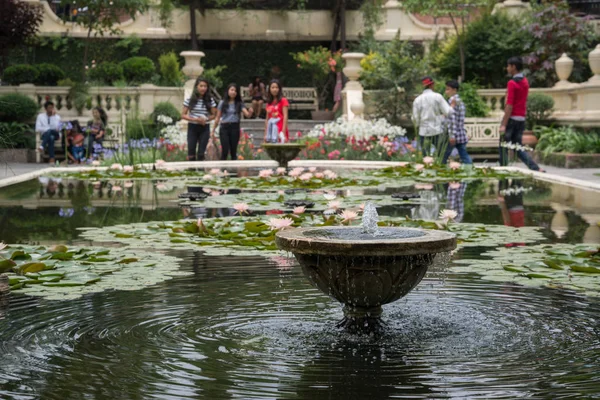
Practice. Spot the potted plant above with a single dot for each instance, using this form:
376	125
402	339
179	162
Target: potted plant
322	65
539	110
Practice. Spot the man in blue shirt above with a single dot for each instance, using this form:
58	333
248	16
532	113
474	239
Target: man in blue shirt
48	123
457	135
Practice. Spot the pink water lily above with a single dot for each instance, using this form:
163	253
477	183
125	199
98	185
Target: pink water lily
306	176
215	171
319	175
312	169
280	171
281	192
448	215
348	216
296	172
116	166
334	204
428	160
215	193
299	210
329	196
241	208
280	223
128	169
265	173
419	167
454	165
208	177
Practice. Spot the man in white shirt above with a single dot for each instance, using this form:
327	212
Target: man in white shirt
429	110
48	124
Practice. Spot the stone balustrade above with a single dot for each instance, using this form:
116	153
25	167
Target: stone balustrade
118	102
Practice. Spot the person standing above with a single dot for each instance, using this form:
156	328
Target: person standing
457	134
276	124
429	108
257	94
48	125
513	122
229	112
199	109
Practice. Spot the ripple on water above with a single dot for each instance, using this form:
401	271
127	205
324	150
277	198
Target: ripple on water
253	328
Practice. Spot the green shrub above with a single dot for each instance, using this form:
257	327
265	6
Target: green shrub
139	129
67	82
21	73
16	107
138	69
539	109
474	103
213	76
48	74
165	108
566	140
170	70
107	73
16	135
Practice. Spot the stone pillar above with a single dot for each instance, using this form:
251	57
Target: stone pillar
514	8
192	69
145	104
353	91
564	67
594	58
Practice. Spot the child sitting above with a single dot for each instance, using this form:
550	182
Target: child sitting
76	140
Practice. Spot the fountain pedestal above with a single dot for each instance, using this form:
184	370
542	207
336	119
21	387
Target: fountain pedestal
283	153
363	271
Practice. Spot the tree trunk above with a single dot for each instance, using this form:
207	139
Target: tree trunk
336	25
461	47
193	34
86	48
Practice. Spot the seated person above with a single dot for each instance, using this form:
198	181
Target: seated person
75	143
47	124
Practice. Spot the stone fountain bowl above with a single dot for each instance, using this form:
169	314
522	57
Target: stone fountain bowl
283	153
363	271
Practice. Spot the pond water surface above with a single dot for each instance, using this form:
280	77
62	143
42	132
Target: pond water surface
254	328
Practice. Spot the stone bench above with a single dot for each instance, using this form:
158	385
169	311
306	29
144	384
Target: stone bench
482	132
60	147
299	98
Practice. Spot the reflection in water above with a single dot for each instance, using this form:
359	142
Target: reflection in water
456	199
510	200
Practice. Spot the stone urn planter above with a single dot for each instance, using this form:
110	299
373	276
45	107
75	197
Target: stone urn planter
283	153
529	139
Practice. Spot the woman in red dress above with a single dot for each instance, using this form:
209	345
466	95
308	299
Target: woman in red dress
277	114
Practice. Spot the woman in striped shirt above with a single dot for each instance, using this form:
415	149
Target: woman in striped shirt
199	110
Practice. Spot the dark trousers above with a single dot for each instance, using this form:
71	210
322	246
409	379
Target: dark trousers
90	144
465	158
230	137
48	139
514	134
197	136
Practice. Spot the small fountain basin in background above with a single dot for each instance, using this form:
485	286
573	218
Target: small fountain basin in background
363	270
283	153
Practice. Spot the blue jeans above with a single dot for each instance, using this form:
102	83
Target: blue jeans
78	153
514	134
428	143
48	139
462	152
272	130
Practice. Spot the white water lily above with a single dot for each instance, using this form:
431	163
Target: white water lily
329	196
215	171
208	177
280	223
448	215
334	204
3	245
306	176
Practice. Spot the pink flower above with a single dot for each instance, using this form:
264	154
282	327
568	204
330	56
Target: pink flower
329	196
215	171
116	166
241	208
215	193
199	223
296	172
454	165
208	177
334	204
306	177
319	175
362	207
348	216
299	210
265	173
419	167
280	171
280	223
428	160
128	169
448	215
312	169
281	192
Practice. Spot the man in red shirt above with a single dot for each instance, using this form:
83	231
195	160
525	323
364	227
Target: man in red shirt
513	123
